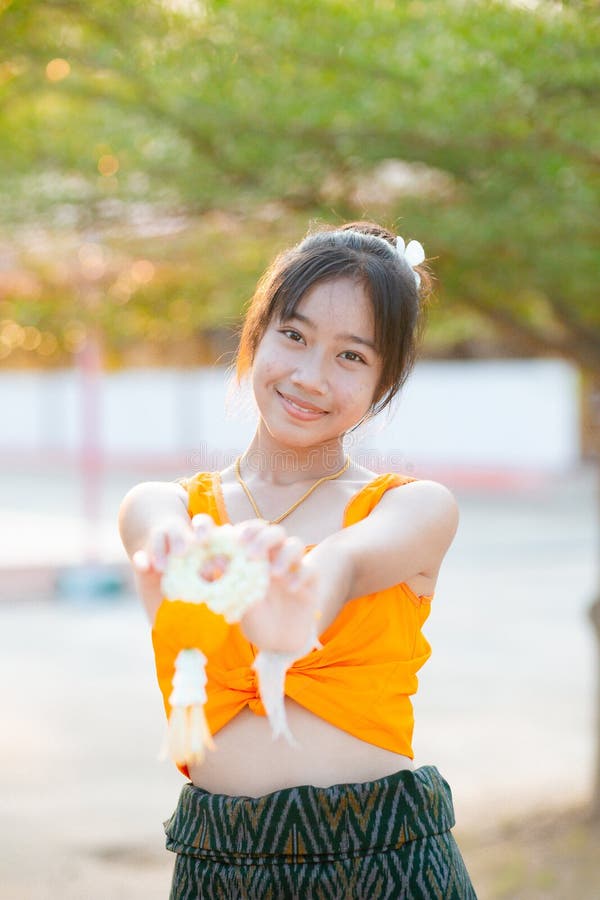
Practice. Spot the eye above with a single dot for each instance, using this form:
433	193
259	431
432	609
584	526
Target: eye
356	356
291	331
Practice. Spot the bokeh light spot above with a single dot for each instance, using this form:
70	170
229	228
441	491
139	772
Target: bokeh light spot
12	333
32	338
108	165
57	69
122	289
142	271
48	344
74	336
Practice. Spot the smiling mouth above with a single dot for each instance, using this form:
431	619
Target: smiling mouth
304	409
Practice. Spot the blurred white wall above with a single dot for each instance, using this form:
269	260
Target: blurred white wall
500	414
521	413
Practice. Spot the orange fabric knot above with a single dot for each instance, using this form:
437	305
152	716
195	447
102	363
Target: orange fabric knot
241	681
362	678
255	704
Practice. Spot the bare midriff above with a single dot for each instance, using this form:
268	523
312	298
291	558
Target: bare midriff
247	761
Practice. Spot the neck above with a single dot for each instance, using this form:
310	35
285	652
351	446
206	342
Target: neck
274	463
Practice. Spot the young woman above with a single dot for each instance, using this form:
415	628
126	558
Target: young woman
328	340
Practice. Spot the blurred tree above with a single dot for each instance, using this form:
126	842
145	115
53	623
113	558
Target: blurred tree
191	106
472	121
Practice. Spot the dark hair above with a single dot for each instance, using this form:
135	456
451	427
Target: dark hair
360	250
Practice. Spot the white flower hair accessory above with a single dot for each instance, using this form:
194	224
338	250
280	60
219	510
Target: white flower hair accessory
413	254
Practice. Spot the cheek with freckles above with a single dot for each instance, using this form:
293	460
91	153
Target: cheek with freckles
270	370
265	375
268	363
357	398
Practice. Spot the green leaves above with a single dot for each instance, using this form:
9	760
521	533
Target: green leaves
227	105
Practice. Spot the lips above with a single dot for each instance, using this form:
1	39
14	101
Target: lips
306	407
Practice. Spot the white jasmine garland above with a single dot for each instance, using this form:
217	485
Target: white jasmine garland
188	734
244	582
189	680
271	668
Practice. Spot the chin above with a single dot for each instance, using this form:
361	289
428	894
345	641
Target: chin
294	439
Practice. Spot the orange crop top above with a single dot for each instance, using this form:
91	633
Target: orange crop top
362	678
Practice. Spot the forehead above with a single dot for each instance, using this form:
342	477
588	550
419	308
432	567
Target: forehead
340	302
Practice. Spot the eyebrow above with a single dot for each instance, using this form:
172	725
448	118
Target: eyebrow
345	336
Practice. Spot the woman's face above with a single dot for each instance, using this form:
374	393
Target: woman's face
323	358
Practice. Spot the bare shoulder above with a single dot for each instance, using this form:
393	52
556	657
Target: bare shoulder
426	500
430	492
431	496
404	538
156	489
144	502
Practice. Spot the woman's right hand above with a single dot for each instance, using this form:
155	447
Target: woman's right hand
172	535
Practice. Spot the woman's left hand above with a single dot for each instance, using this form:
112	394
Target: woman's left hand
285	619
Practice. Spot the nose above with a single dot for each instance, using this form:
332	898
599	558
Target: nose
311	376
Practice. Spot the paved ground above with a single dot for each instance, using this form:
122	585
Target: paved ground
505	704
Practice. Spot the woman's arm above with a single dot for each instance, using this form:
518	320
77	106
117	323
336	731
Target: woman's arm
149	514
407	533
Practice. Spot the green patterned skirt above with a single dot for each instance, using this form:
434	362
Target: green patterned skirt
372	840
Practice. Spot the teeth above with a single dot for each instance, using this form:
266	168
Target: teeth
301	408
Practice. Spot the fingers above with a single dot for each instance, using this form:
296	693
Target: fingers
269	541
282	552
302	582
262	539
157	549
202	524
248	530
172	536
288	556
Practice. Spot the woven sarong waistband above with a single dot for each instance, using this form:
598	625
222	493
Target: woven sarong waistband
312	824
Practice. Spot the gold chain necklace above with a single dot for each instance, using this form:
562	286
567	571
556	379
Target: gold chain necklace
297	503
